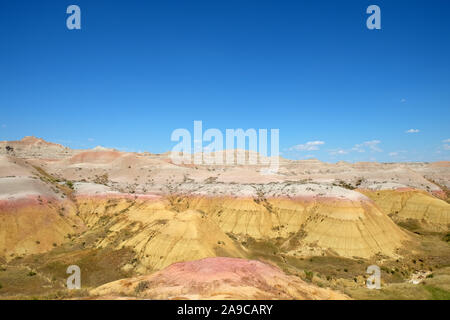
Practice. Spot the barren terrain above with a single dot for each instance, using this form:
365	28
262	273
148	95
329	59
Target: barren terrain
140	226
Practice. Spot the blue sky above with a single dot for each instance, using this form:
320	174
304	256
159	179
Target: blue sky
137	70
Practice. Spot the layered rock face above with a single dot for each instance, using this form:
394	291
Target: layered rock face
193	223
158	236
163	213
409	204
34	218
218	278
313	219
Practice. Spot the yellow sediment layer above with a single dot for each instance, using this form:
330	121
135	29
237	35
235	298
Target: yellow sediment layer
431	212
35	228
170	230
347	228
160	237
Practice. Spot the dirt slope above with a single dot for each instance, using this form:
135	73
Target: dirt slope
218	278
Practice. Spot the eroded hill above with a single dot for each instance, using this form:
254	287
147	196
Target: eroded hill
138	213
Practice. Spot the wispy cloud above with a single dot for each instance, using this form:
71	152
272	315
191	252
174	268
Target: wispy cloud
403	100
393	154
371	145
90	139
309	146
446	144
337	152
412	131
396	153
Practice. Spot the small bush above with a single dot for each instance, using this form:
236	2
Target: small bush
142	286
69	184
309	275
447	237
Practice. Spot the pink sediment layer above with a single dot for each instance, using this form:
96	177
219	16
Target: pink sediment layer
26	201
96	156
216	269
104	196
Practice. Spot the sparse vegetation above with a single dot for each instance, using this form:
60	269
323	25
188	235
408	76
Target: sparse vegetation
69	184
438	293
102	179
309	275
447	237
343	184
141	287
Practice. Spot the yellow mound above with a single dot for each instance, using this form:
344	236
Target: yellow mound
430	212
27	227
165	231
343	227
159	237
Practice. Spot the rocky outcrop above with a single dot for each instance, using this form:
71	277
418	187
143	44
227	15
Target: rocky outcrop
32	147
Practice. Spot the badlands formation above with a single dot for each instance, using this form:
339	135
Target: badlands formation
219	278
207	231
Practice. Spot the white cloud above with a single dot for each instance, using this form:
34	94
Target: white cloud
90	139
446	144
396	153
393	154
309	146
338	152
372	145
360	147
412	131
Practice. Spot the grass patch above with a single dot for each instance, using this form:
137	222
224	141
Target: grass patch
437	293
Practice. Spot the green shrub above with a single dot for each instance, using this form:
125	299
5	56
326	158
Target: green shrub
69	184
309	275
447	237
142	286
